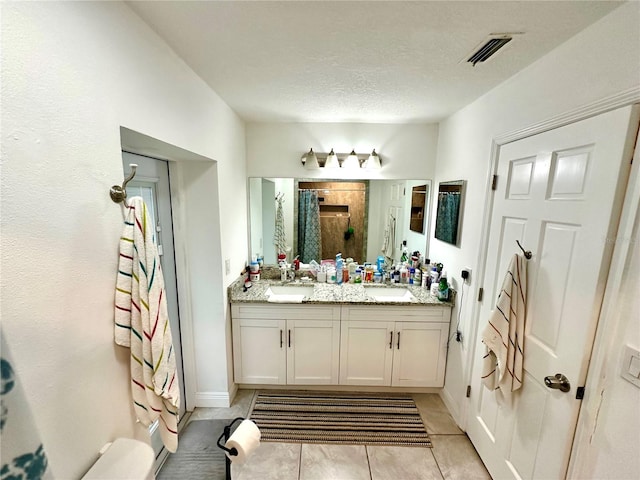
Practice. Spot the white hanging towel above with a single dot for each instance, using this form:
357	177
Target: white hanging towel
504	334
142	324
389	239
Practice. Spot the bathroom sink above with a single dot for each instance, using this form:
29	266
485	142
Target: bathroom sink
288	293
390	294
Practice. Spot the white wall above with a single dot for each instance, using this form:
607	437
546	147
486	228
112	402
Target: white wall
406	151
600	61
72	74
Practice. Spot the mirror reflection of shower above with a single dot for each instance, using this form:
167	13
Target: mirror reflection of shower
342	212
380	198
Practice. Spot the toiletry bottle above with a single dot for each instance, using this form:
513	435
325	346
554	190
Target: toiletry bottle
339	267
434	275
443	287
352	270
396	275
404	274
368	273
331	275
357	276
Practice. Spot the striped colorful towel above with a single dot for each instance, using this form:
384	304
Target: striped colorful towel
142	324
504	334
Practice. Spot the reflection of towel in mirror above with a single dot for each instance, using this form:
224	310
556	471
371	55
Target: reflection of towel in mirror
504	334
279	238
142	324
389	239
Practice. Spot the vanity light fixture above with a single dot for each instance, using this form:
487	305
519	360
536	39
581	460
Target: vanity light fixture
331	160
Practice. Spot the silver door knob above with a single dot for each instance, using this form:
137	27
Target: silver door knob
558	381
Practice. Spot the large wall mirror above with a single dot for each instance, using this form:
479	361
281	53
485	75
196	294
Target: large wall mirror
317	218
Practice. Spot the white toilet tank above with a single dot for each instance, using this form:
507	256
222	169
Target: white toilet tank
124	459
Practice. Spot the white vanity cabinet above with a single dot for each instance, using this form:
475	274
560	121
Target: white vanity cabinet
394	346
286	344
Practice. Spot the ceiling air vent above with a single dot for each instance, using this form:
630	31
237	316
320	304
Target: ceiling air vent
488	48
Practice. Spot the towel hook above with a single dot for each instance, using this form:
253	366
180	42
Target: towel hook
119	193
527	253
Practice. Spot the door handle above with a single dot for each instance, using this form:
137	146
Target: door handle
558	382
398	340
289	338
280	338
391	340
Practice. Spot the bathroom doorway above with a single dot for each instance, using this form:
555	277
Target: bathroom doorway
152	184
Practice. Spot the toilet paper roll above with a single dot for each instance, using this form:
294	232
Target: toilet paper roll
245	439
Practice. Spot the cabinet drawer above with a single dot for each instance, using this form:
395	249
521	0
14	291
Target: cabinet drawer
394	313
286	312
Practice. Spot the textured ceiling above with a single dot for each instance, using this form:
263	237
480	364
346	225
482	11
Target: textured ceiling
382	62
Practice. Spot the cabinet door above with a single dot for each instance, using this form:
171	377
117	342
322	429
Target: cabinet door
419	354
259	351
366	352
313	352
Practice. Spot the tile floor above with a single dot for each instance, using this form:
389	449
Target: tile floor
452	456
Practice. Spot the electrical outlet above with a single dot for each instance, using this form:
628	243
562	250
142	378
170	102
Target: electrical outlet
466	275
227	266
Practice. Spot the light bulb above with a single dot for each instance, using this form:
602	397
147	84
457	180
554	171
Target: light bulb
311	162
373	162
351	162
332	161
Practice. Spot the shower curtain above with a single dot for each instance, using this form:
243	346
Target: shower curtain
309	235
447	217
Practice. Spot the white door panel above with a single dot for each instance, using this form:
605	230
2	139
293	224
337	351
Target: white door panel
559	194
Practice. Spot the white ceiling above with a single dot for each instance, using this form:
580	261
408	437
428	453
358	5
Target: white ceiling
360	61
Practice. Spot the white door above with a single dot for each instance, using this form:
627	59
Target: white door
313	352
366	352
420	352
259	349
559	193
152	184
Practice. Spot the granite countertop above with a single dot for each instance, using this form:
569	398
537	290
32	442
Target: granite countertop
328	293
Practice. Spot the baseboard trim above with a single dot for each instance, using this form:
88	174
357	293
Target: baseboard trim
214	399
451	405
342	388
